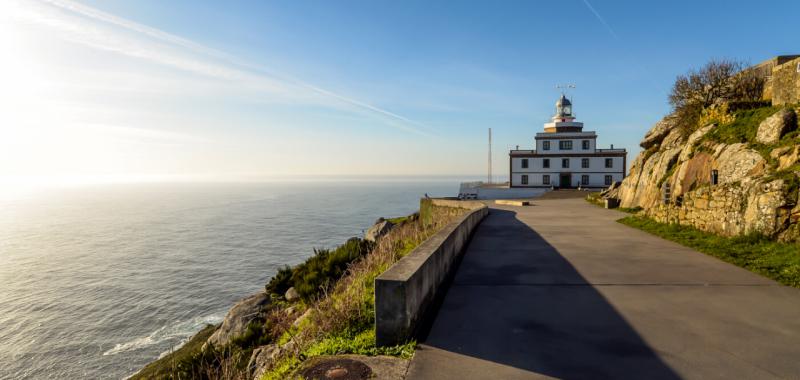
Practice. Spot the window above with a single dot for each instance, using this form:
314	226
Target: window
585	144
524	163
546	163
524	179
585	163
545	179
584	180
565	162
565	145
608	180
545	145
609	162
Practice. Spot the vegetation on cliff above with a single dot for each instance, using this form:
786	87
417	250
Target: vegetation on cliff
183	357
333	313
320	271
342	320
729	159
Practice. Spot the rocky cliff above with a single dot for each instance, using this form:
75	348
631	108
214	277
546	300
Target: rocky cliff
754	154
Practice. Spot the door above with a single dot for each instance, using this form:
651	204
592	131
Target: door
565	181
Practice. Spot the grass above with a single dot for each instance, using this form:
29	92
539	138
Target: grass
594	198
744	127
400	219
756	253
342	320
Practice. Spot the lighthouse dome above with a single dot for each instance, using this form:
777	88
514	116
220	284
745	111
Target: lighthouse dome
563	107
563	101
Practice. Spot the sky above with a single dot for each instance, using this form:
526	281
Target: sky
148	90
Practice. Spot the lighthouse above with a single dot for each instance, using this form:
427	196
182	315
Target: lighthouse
566	156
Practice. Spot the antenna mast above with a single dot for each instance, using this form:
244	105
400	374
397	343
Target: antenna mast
490	155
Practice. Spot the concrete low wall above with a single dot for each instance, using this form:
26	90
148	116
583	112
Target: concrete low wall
405	292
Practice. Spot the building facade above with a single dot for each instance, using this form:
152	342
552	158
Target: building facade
566	156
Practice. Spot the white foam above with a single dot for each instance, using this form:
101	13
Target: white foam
179	330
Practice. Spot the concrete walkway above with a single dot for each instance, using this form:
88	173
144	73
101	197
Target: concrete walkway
560	290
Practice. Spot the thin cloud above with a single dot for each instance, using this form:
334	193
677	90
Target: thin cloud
281	85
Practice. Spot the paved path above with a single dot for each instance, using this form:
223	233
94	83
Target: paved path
559	290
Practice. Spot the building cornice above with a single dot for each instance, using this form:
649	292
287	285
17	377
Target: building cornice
556	155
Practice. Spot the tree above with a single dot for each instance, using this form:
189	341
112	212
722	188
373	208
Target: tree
714	82
718	81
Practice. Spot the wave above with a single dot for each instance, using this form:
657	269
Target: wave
181	330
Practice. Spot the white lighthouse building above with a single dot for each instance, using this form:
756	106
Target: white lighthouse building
566	156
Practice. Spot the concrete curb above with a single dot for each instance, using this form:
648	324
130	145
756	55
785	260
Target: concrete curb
405	292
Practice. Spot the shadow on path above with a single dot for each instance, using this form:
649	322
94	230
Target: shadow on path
516	301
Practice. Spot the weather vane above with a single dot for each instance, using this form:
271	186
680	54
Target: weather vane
565	87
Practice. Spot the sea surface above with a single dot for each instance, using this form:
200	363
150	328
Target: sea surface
97	281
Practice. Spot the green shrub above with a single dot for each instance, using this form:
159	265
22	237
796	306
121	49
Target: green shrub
320	270
281	282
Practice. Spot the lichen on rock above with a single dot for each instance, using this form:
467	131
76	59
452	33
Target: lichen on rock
774	127
749	195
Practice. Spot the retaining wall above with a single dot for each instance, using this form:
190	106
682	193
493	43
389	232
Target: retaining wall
405	293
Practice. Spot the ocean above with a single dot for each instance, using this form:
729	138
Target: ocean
97	281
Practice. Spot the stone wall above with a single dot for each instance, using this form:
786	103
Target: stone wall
731	209
782	84
785	83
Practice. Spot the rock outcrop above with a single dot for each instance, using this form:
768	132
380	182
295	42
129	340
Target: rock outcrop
755	192
262	358
380	228
291	295
774	127
238	317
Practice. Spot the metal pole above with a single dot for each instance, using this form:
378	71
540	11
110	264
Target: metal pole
490	155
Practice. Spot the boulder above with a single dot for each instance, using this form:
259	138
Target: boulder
774	127
656	134
291	294
382	227
763	207
736	162
262	359
238	317
612	191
